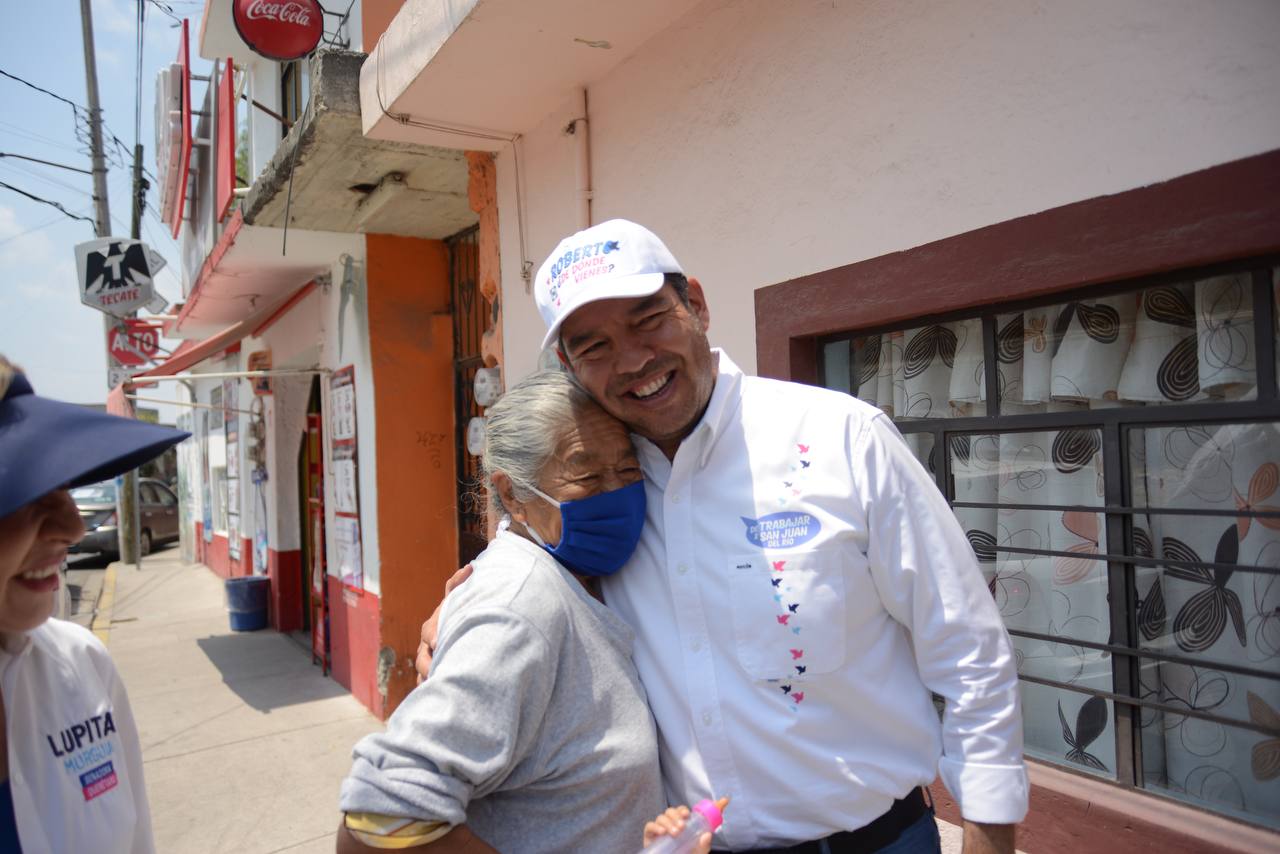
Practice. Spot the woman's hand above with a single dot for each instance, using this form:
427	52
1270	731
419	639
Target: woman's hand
670	823
431	628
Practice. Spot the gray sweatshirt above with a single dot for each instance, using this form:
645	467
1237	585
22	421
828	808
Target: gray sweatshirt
532	728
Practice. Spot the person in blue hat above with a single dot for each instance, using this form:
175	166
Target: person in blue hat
70	758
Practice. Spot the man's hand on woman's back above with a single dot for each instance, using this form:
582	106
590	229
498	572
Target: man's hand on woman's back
431	628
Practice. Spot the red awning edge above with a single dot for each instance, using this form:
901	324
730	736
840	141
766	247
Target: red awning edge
190	354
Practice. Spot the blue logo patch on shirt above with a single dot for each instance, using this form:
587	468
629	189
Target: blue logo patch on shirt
781	530
98	781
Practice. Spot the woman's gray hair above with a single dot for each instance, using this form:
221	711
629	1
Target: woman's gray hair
524	427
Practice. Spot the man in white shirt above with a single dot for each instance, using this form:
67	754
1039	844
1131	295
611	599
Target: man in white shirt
801	587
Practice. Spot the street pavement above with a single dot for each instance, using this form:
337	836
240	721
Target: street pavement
244	742
82	585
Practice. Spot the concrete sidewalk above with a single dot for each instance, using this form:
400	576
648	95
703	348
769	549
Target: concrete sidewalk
244	742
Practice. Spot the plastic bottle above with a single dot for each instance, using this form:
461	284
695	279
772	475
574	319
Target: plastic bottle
706	816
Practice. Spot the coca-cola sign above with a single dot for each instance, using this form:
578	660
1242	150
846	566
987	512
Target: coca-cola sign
279	29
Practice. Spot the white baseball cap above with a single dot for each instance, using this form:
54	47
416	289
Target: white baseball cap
607	261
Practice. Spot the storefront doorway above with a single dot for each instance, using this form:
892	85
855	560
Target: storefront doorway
315	615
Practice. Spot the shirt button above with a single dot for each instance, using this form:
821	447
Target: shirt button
675	499
696	646
706	718
682	569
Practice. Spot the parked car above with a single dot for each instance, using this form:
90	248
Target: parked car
157	510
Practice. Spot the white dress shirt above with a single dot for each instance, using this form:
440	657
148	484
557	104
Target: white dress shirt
800	588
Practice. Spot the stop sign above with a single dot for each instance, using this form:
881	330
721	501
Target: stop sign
135	343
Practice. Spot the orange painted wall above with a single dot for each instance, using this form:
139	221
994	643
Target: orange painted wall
375	17
411	347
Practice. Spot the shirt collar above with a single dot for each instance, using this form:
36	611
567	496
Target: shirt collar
724	402
15	643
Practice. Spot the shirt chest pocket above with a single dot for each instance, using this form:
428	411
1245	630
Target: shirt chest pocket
789	612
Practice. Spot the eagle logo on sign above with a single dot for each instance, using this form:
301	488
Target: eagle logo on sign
116	268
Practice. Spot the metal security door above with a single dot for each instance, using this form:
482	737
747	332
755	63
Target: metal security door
469	310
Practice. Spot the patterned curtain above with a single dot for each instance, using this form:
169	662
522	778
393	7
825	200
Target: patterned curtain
1171	344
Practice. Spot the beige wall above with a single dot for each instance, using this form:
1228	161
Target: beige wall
768	140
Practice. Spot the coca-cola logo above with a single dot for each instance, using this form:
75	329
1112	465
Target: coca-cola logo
279	29
285	13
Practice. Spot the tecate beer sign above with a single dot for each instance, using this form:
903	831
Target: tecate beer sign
116	274
279	29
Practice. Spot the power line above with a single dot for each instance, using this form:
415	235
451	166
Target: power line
46	162
35	198
163	7
5	127
81	115
27	171
28	83
12	237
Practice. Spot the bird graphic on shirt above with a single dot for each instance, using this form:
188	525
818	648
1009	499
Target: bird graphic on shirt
787	484
786	689
782	618
775	581
800	668
778	565
798	696
796	630
797	654
804	449
804	463
793	608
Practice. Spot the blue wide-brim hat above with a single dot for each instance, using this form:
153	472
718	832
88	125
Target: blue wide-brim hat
47	444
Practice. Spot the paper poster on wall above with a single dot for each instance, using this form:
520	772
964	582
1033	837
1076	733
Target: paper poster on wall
260	361
259	479
344	484
342	403
233	536
206	479
346	541
346	478
231	427
216	411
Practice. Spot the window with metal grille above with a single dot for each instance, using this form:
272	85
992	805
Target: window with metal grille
1113	456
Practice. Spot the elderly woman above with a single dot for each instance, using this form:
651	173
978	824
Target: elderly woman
70	761
532	732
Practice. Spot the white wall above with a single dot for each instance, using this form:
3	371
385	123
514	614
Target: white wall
767	140
306	337
354	351
294	342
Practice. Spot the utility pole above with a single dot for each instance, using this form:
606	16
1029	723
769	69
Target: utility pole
127	496
139	194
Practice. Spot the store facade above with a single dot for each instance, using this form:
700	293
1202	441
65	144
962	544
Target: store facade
1073	207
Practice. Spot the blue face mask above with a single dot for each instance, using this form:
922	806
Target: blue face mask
599	533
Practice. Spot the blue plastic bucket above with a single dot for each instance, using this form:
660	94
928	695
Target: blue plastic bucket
247	602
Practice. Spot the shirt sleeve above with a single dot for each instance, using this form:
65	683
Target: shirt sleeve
463	731
929	581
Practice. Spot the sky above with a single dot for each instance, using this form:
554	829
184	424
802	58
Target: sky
44	328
